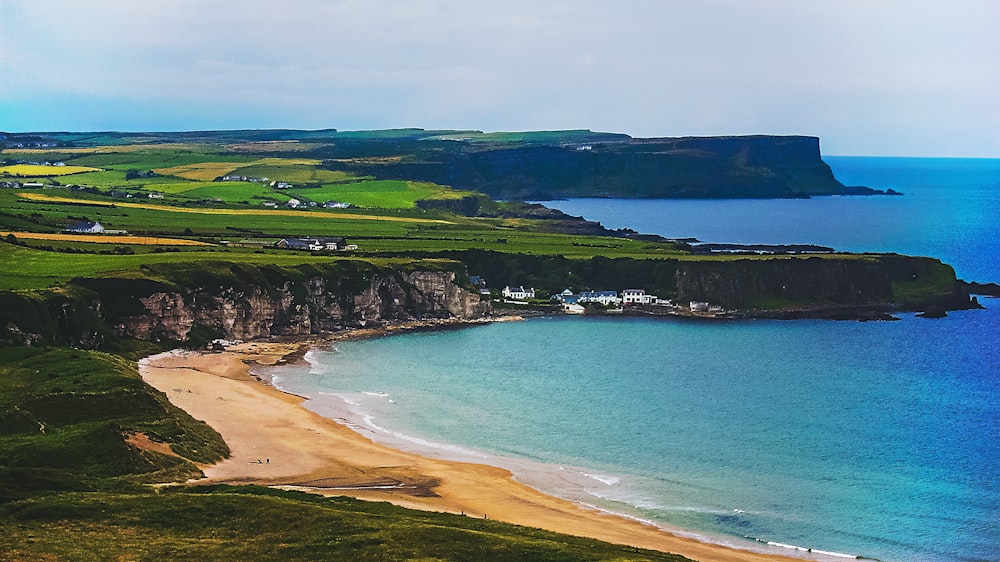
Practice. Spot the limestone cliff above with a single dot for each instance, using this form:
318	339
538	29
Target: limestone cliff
241	302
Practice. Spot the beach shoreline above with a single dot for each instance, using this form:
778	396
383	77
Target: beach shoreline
276	441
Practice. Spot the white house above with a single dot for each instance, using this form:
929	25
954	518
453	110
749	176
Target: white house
637	296
84	227
698	306
518	293
606	298
293	203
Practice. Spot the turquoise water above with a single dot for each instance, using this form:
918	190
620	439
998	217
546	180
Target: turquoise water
879	439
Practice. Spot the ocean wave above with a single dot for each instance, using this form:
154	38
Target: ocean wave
809	550
421	444
607	480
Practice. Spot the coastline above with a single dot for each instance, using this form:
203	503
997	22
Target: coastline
276	441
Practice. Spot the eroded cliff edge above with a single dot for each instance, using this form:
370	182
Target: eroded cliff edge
194	303
197	302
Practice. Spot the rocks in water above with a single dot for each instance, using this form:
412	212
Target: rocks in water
933	311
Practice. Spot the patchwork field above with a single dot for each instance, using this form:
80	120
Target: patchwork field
234	212
201	171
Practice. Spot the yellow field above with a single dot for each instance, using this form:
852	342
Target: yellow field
32	170
202	171
108	239
244	212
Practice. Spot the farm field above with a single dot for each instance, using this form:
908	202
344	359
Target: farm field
106	239
197	219
36	170
230	212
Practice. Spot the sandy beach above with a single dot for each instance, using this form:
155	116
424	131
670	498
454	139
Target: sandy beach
275	441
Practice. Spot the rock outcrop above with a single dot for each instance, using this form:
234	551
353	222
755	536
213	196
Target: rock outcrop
243	303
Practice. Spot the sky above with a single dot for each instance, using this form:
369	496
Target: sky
869	77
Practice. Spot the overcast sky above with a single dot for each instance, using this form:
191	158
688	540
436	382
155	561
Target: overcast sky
869	77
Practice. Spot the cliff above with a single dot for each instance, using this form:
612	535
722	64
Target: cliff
205	301
199	302
810	286
693	167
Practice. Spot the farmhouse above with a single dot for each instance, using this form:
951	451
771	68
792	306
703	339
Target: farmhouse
293	203
315	244
84	227
518	293
336	205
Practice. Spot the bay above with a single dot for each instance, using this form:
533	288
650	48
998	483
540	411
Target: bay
879	439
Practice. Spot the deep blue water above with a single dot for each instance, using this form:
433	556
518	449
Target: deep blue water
879	439
950	210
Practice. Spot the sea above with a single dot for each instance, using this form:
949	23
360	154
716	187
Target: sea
844	439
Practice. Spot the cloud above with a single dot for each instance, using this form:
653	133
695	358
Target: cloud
645	67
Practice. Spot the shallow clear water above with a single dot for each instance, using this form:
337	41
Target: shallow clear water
879	439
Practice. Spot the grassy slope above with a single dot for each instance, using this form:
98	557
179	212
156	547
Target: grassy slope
224	523
65	414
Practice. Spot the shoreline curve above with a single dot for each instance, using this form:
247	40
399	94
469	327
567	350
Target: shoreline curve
276	441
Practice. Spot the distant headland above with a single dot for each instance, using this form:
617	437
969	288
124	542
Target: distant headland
538	165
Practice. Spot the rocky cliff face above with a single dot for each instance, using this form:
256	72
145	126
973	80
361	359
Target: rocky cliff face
235	303
204	301
301	308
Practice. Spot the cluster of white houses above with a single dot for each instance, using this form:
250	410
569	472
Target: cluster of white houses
628	297
605	298
573	303
316	244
